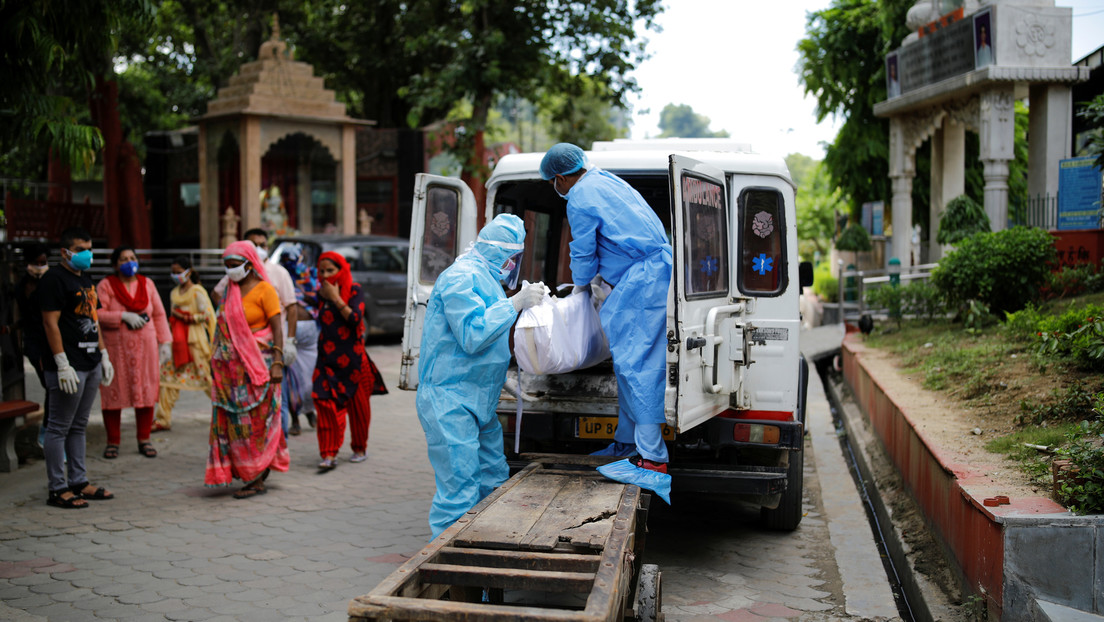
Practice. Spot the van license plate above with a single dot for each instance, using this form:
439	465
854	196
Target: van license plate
604	427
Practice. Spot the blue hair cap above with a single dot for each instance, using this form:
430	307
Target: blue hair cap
562	159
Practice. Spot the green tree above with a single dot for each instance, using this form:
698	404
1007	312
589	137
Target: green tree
841	64
680	121
51	54
817	201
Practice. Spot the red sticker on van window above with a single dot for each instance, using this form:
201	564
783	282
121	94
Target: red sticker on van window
763	224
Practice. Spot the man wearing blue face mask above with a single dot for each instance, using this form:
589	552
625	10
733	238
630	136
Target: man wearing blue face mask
616	235
75	371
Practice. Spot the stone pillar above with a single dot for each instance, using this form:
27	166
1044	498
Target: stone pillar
208	191
346	180
250	156
935	195
902	169
954	176
997	136
303	198
1050	122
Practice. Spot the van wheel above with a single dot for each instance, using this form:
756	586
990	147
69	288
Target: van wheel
787	516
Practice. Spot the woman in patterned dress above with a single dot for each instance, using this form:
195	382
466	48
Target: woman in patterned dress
247	439
344	376
192	322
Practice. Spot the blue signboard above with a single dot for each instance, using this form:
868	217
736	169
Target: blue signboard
1078	194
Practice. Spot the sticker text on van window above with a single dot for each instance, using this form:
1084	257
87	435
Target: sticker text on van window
762	264
762	225
702	193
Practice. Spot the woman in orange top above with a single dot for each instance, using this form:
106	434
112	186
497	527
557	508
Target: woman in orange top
247	439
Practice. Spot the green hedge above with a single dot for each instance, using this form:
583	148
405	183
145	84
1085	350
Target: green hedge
1004	270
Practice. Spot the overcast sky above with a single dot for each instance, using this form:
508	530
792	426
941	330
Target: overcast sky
734	61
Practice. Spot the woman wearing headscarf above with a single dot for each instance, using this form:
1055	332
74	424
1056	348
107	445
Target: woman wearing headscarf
192	322
247	439
134	323
344	376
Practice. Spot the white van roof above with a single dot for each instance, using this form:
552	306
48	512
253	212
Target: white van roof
672	144
527	165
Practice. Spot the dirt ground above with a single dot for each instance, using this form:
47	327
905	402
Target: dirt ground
961	426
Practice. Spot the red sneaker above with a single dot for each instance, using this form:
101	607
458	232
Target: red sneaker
640	461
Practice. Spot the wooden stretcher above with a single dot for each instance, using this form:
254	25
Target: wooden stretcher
556	542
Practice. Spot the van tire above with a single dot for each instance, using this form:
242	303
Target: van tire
787	516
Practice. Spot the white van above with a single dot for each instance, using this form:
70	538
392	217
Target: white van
735	394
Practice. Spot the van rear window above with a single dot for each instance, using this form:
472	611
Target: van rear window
705	215
439	239
762	243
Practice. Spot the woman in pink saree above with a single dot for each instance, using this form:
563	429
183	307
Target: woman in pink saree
247	440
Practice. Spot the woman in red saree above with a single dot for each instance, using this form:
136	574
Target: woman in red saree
247	440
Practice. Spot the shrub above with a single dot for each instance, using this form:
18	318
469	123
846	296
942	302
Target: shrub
854	238
1071	281
963	218
824	284
921	299
886	297
1003	270
1083	491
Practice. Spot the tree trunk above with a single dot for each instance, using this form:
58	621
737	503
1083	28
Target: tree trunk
474	173
126	219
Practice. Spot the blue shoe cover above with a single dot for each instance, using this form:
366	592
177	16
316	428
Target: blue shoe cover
616	448
628	473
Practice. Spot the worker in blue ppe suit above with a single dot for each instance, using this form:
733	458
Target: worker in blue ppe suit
616	235
464	355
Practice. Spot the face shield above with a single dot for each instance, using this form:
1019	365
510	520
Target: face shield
510	271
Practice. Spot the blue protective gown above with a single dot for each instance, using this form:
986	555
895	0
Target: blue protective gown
464	356
616	234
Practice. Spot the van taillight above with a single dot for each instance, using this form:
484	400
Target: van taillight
755	433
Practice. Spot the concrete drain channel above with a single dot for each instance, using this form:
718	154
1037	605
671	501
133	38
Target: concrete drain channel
907	595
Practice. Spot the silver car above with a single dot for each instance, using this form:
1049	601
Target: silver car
378	263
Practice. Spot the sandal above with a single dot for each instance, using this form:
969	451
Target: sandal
252	489
73	502
98	494
295	430
147	449
328	464
111	452
160	427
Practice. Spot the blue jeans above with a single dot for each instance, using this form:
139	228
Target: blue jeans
65	434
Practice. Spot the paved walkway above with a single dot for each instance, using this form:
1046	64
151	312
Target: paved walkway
168	548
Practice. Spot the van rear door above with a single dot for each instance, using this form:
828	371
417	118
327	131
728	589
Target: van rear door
707	344
442	224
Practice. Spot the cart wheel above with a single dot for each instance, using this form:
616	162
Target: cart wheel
649	595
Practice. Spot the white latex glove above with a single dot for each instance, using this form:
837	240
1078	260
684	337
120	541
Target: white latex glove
67	376
133	320
290	352
531	294
165	353
108	369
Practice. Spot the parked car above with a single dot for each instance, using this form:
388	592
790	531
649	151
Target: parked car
378	263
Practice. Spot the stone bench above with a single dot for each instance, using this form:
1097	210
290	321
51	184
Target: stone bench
13	415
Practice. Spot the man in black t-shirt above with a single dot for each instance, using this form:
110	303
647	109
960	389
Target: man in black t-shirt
74	372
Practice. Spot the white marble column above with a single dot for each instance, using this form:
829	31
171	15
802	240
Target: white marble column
1050	121
997	137
902	169
250	155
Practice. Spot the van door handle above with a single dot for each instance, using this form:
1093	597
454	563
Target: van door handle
693	343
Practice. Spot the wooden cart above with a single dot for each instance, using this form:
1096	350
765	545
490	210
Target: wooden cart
557	541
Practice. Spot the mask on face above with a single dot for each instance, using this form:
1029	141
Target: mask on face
238	273
79	261
182	277
129	268
262	253
556	187
36	270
